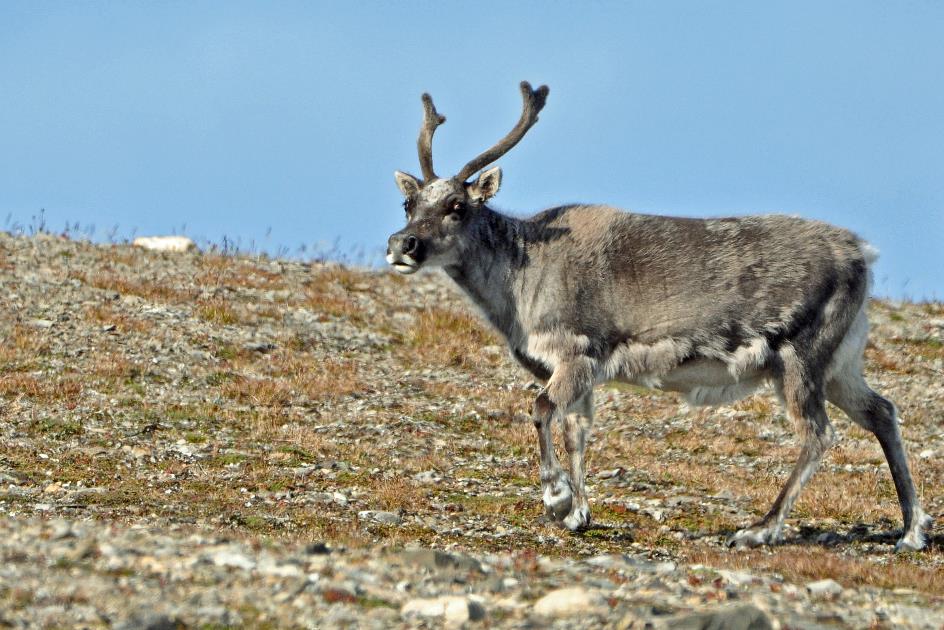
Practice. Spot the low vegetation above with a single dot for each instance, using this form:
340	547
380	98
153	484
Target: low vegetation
272	400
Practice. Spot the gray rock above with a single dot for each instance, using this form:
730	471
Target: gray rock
726	618
150	621
435	560
378	516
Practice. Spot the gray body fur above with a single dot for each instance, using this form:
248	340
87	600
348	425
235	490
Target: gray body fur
710	308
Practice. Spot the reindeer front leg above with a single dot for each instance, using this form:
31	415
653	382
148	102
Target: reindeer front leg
555	484
568	389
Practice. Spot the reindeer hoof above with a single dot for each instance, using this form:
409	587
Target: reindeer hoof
577	520
915	539
558	499
756	536
911	542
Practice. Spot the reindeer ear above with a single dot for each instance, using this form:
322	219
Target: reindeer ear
407	184
486	186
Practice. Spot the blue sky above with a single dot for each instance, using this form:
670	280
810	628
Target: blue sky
281	124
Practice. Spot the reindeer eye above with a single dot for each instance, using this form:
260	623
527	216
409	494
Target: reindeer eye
457	207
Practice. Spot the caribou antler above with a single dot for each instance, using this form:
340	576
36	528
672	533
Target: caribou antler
533	103
424	144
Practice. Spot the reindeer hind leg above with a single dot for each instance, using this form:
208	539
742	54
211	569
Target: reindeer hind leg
849	391
803	398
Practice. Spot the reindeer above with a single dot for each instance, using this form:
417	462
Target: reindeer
710	308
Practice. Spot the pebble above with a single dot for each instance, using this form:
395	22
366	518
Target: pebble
824	588
379	516
566	602
455	610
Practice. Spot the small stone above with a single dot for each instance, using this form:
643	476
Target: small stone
435	560
566	602
387	518
729	617
610	474
42	323
927	453
149	621
61	529
824	588
262	347
317	549
455	610
232	558
736	578
607	560
427	476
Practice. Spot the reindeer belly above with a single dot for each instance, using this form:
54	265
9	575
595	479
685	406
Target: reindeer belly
704	382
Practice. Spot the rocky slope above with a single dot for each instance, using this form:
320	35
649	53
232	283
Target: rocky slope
196	440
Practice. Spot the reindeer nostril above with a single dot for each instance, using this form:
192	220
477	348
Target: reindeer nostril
410	243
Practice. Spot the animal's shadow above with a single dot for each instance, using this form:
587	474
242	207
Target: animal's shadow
810	536
595	531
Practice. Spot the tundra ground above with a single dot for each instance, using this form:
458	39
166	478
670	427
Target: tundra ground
203	400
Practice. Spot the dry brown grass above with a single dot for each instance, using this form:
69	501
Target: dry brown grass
39	389
113	281
21	345
113	365
218	270
452	338
928	348
318	379
217	311
813	563
105	315
330	291
885	361
396	494
258	392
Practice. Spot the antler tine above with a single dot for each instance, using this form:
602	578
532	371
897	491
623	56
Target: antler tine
533	102
424	144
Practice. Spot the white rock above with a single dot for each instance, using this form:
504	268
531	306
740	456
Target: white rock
455	610
165	243
574	600
927	453
232	558
269	566
824	588
736	578
609	474
427	476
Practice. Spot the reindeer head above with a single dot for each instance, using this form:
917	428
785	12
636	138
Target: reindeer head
442	213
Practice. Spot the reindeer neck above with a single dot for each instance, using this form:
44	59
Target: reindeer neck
488	270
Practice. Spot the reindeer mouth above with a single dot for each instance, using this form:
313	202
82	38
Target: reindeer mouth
405	268
404	265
